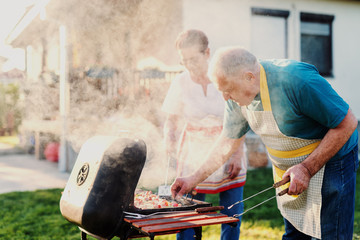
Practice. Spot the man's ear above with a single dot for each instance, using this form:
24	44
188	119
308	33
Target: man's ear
249	76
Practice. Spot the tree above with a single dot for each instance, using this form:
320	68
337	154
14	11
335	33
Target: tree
10	114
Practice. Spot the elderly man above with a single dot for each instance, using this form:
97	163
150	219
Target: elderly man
309	132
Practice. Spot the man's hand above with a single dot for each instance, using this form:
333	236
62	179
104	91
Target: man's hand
181	186
299	179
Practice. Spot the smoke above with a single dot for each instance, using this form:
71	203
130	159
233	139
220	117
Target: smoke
119	32
105	40
94	113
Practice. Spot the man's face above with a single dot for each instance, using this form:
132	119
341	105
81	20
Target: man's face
237	89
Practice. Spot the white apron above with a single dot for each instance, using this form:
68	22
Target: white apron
302	211
195	143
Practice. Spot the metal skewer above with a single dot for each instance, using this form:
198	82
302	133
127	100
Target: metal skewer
267	189
238	215
275	185
167	169
164	190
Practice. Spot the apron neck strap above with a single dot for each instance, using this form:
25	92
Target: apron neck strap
264	91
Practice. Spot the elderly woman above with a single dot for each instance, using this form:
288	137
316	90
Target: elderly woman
195	100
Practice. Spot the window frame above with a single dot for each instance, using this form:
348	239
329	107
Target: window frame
275	13
321	18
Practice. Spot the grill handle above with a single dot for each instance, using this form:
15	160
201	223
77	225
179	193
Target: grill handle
209	209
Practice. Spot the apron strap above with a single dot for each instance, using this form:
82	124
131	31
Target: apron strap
264	91
294	153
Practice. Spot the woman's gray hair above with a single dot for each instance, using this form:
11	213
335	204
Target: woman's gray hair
227	62
192	37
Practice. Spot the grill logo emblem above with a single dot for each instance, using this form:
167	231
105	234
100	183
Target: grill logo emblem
83	173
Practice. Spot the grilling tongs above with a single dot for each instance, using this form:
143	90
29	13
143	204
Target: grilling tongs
275	185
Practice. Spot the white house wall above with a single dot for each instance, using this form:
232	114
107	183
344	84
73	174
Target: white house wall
224	21
228	22
53	63
346	53
33	62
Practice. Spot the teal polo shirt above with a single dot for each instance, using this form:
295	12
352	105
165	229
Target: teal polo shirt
303	103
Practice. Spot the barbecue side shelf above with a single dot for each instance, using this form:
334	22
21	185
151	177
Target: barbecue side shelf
172	223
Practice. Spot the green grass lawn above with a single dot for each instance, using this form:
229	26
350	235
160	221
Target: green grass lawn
36	215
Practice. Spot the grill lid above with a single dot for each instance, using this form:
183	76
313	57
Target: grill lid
102	183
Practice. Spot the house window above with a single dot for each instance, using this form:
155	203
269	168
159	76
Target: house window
269	37
316	41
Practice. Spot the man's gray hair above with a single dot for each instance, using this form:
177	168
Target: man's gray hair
227	62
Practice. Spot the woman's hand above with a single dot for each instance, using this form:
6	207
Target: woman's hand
234	167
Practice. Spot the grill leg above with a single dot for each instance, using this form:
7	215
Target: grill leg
83	236
198	233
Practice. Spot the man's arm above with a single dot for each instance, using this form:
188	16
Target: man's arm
221	151
332	142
